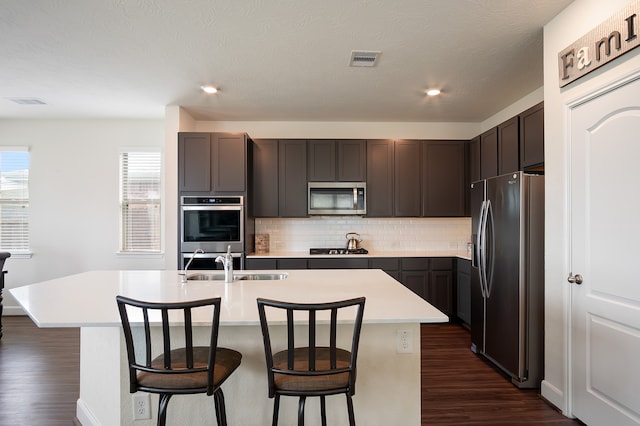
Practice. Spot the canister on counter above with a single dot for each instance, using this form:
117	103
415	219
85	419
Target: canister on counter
262	243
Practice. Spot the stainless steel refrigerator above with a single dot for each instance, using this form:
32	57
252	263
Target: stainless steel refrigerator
507	277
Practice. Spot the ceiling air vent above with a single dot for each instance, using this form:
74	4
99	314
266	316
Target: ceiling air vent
27	101
364	58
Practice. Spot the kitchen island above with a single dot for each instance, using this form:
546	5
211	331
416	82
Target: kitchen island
388	384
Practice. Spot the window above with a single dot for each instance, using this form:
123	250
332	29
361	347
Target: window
14	199
140	202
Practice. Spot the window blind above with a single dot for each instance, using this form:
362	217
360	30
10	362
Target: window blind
140	202
14	199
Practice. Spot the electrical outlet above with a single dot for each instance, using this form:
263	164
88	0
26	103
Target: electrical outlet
404	341
141	406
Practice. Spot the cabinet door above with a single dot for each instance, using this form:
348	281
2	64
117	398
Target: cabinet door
440	291
508	146
489	154
194	162
532	137
292	178
407	185
230	159
444	181
265	178
379	178
321	160
474	159
416	281
352	160
463	287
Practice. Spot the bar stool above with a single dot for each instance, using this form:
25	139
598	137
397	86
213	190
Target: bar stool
311	369
188	369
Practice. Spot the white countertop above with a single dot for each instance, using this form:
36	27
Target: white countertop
88	299
463	254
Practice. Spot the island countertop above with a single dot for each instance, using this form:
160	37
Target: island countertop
88	299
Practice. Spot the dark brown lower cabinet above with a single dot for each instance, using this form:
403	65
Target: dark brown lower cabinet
433	278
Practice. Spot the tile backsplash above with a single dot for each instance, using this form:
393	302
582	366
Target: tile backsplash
376	233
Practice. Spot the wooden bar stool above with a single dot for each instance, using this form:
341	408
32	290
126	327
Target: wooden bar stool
187	369
311	369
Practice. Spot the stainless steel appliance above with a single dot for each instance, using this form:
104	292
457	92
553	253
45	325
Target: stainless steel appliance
507	279
337	198
212	224
321	251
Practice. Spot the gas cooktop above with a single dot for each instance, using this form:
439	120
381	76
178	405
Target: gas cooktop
337	251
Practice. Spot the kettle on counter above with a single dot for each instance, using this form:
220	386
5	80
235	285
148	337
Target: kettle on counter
353	240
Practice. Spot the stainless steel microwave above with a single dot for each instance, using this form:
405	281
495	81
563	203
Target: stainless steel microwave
337	198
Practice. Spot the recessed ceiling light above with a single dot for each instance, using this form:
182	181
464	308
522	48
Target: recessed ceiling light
209	89
433	92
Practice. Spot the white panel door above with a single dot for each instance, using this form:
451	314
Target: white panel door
605	254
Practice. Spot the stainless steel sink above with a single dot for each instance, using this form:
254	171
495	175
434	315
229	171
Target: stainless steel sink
237	277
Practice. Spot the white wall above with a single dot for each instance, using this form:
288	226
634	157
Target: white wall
73	187
575	21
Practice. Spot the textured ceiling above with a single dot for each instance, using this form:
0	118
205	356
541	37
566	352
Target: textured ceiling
272	60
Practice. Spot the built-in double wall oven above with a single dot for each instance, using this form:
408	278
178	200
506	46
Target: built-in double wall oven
211	224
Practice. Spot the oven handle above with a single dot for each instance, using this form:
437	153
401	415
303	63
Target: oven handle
218	208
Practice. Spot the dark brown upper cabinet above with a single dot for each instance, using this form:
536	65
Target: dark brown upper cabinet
380	178
321	160
279	178
407	186
444	178
532	137
265	178
508	146
212	162
474	159
292	178
336	160
489	153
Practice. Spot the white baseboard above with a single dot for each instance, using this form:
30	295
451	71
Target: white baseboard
84	416
12	310
553	395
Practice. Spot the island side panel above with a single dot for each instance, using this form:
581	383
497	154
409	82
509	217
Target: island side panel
387	387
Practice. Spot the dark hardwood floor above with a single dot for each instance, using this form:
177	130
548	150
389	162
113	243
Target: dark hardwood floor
40	381
459	388
39	373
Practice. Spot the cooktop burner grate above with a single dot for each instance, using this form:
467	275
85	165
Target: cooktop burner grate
337	251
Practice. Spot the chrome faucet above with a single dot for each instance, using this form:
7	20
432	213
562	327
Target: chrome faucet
184	273
227	263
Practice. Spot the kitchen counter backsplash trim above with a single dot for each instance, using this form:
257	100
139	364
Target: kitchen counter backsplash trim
411	235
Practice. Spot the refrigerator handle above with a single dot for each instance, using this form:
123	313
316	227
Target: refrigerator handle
489	256
481	249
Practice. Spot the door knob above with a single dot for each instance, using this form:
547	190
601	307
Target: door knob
577	278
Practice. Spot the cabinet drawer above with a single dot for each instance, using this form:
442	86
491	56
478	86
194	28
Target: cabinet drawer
338	263
385	263
464	266
415	263
441	263
260	264
292	263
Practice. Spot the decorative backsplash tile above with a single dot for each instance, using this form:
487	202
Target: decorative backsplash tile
377	234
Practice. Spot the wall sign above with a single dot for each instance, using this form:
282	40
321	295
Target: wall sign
608	41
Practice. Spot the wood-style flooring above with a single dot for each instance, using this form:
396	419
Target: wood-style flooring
460	388
40	381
